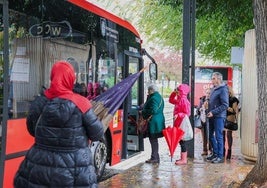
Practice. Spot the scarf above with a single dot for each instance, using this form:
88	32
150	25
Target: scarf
62	81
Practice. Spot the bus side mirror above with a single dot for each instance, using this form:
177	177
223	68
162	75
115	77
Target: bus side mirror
153	68
153	71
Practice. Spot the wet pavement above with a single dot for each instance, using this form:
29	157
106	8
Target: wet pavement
198	173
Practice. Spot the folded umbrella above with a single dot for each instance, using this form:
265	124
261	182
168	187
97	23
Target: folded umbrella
178	119
172	135
106	104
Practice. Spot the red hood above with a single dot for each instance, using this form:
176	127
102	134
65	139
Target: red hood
62	81
183	89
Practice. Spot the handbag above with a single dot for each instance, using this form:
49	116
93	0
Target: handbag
197	122
142	124
187	128
232	126
203	115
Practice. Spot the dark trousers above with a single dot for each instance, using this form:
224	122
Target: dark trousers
155	148
205	137
183	146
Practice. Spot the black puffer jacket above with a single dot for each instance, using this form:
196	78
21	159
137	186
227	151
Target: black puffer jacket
60	156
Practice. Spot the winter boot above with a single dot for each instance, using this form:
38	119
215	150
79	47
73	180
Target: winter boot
183	159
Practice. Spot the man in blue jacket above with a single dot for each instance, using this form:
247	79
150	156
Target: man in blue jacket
218	104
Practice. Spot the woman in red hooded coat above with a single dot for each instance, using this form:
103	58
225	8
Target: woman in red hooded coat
182	107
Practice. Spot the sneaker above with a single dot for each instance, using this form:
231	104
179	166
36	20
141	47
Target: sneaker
218	160
210	154
211	158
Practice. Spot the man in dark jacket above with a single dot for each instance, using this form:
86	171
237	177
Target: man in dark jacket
218	104
62	123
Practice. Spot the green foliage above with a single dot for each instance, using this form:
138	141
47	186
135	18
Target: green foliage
167	91
161	24
1	40
16	32
110	81
220	25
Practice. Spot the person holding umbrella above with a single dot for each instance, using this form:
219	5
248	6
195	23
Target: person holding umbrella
181	108
153	109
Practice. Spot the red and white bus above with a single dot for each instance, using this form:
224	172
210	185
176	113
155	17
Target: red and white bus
104	49
203	79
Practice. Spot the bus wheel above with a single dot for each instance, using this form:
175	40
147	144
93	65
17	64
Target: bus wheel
99	152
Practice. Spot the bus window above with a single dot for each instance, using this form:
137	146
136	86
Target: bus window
133	68
106	69
153	71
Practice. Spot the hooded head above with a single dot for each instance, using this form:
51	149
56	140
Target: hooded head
62	79
183	89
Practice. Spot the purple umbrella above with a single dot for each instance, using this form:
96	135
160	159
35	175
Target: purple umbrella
106	104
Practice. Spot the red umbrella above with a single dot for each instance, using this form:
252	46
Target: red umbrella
172	135
178	119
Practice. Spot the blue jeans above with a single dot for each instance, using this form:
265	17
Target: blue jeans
216	126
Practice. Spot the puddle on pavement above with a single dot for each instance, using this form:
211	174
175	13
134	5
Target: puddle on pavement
197	173
168	175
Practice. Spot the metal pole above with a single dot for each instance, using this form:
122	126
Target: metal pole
186	58
193	16
188	41
5	96
193	54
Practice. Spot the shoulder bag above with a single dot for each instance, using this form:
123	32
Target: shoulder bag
142	123
187	129
232	126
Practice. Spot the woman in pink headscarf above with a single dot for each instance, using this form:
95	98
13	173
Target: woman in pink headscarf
182	107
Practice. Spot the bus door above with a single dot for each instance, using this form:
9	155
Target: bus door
132	142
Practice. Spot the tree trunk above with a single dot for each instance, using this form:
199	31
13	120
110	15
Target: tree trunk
258	175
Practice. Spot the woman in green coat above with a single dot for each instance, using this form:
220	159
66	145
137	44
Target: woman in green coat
153	109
